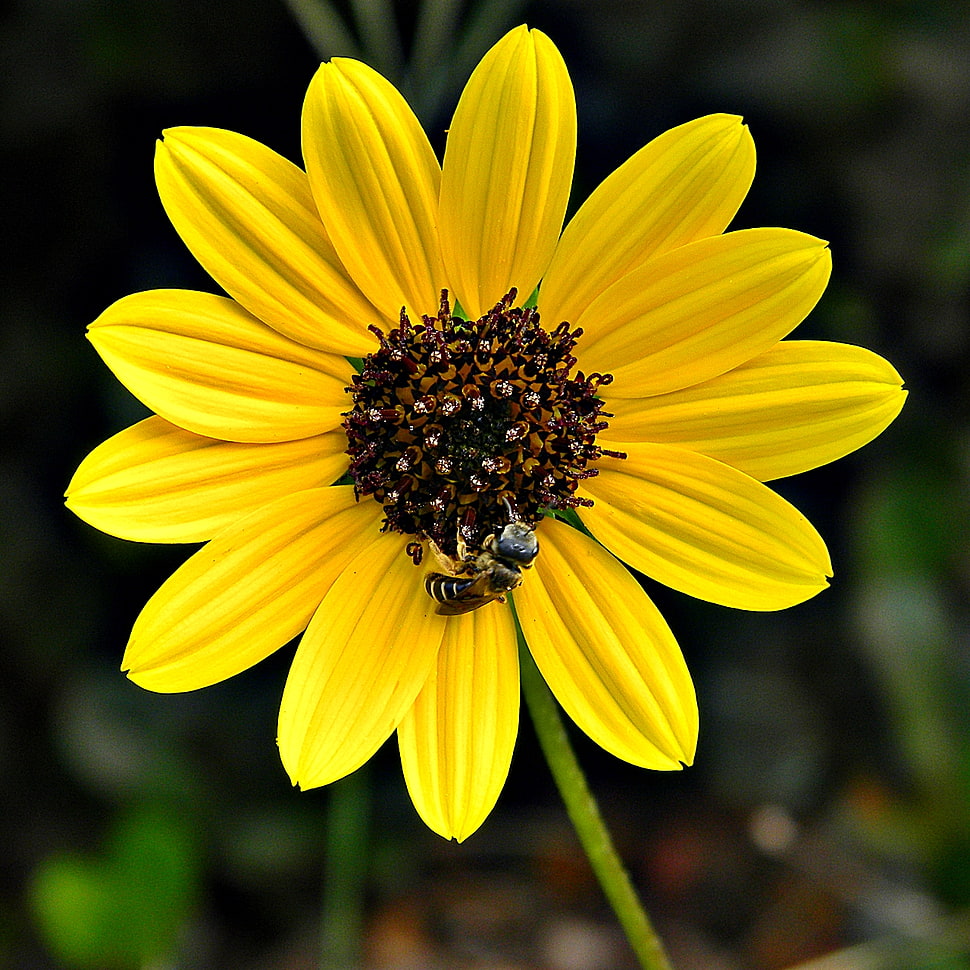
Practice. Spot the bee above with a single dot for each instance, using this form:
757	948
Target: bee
479	579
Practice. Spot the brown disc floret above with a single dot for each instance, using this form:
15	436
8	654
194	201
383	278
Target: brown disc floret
452	419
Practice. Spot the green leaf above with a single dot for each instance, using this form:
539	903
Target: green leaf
121	908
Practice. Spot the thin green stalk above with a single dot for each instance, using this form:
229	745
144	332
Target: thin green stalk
586	818
324	28
378	31
434	35
342	920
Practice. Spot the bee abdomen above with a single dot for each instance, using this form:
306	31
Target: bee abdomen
445	589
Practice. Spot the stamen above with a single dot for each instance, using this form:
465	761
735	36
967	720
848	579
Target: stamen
457	423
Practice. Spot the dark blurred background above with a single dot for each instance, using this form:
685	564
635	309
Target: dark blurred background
826	822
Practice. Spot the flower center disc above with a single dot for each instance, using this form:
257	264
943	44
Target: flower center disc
452	419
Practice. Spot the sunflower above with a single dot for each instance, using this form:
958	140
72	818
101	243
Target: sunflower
427	420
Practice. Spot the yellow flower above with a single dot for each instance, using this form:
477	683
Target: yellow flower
650	392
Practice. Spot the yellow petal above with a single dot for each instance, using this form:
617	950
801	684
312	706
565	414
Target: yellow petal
248	217
154	482
704	528
456	741
507	171
684	185
206	365
375	180
606	652
702	309
250	590
364	657
799	405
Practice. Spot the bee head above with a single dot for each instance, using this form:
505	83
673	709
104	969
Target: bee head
516	543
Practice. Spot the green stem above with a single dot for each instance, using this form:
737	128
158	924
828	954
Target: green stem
586	818
324	28
375	22
341	927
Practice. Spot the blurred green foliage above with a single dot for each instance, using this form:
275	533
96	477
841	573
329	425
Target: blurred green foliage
124	907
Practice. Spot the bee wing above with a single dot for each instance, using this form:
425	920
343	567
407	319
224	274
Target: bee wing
465	605
457	595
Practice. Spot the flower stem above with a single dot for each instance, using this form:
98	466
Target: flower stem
341	929
586	818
